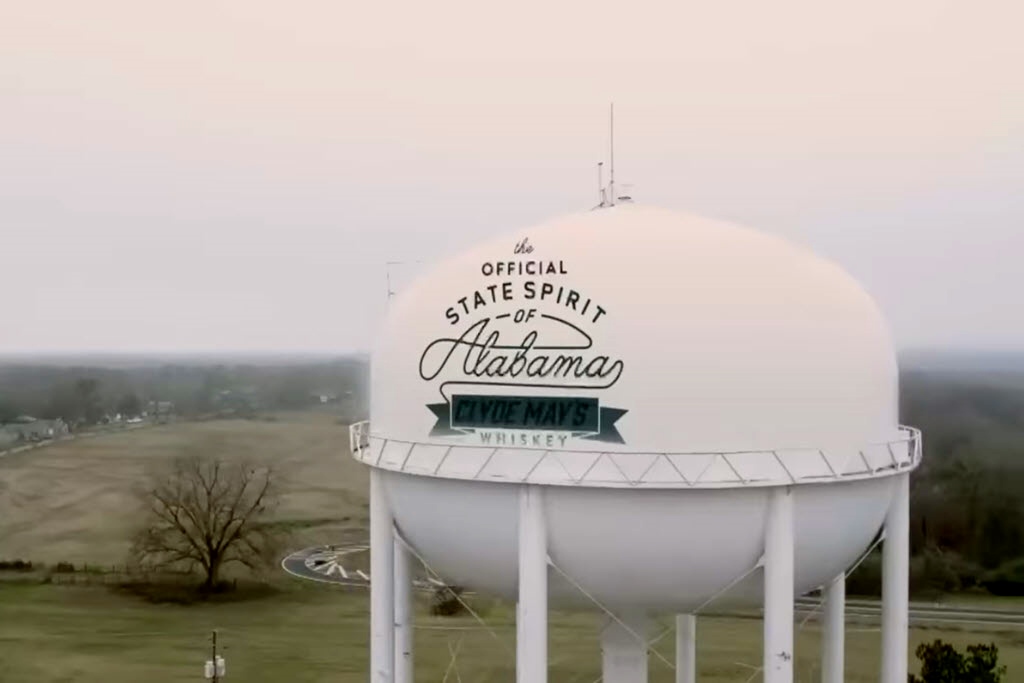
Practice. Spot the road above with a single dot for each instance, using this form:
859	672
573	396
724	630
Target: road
931	614
868	612
340	565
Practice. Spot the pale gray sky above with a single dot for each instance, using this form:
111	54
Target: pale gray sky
232	175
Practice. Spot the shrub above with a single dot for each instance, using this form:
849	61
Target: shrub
183	589
866	580
64	568
941	663
934	572
1008	579
447	601
15	565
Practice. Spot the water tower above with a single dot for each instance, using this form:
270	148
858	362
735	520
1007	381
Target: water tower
640	412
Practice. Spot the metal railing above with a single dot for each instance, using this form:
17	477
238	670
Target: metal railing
701	469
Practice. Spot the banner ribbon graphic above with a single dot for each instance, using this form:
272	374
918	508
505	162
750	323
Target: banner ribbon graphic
583	417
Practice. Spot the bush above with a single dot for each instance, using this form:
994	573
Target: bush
185	589
935	572
941	663
15	565
447	601
1006	580
64	568
866	580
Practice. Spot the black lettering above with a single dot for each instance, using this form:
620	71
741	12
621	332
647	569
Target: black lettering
534	414
460	411
600	312
572	299
452	315
582	410
512	412
529	289
465	308
537	367
483	355
478	300
487	269
567	365
496	368
506	291
596	367
563	412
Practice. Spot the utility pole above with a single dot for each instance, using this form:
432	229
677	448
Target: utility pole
216	668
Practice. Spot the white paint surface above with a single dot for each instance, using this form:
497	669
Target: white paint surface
896	585
729	340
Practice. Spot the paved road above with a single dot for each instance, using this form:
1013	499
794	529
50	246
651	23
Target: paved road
340	565
921	614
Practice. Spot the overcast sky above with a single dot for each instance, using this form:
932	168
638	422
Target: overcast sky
204	175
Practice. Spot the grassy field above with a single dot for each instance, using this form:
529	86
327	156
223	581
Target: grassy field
73	502
311	633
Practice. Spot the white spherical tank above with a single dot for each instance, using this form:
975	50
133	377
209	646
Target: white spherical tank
657	374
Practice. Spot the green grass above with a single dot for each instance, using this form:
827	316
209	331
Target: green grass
73	502
309	632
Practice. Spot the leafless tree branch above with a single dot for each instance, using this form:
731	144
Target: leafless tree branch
206	513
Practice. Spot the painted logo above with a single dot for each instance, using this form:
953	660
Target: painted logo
520	368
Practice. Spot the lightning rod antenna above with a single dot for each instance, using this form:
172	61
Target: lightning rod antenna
611	178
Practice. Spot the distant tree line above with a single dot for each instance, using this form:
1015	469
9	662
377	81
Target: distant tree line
85	395
967	498
967	507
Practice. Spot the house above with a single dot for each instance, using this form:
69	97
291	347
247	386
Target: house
29	429
325	396
236	401
160	410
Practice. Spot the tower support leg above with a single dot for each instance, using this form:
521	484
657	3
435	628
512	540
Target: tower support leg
833	632
624	650
778	587
382	583
403	613
896	585
532	608
686	648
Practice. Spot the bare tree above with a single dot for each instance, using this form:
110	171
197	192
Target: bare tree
208	513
